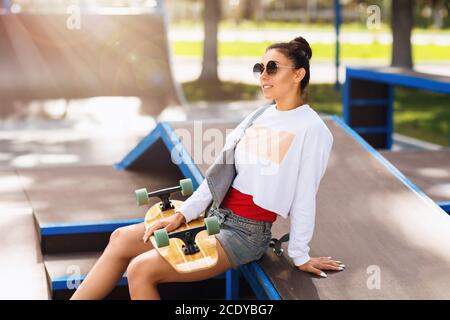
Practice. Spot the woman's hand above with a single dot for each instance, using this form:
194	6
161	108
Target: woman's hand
317	265
170	223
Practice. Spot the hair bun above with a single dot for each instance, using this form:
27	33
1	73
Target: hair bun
303	45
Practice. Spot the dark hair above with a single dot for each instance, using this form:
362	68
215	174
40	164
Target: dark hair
299	51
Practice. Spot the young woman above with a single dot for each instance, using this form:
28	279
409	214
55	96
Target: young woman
284	184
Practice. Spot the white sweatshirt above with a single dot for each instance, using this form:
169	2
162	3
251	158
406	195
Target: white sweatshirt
280	161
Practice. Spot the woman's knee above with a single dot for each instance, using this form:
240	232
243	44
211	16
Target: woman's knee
116	236
118	241
127	241
138	270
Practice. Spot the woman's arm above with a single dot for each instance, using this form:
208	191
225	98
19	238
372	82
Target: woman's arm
315	155
196	203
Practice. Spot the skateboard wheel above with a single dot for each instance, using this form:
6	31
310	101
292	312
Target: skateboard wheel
161	238
186	187
272	242
212	225
141	196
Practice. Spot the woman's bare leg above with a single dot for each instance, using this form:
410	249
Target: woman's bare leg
149	269
125	243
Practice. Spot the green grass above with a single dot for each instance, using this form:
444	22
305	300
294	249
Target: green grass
418	114
422	115
320	51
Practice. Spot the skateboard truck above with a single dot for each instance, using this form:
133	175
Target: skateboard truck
143	196
212	226
188	237
276	244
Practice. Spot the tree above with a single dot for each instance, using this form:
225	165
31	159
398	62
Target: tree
401	24
252	10
211	16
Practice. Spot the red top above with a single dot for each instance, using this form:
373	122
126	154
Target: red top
242	204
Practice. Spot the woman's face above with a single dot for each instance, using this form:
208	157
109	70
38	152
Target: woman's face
285	82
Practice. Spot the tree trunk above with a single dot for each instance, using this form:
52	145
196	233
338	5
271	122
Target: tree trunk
248	9
211	18
401	24
252	10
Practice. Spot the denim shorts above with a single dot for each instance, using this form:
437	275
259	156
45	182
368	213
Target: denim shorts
243	240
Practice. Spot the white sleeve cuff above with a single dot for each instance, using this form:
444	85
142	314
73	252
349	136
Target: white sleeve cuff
189	212
298	261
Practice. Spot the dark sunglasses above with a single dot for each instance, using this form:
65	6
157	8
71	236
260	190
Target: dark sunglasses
271	68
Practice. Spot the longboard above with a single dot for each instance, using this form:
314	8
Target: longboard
192	246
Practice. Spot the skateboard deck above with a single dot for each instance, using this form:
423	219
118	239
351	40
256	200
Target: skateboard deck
204	259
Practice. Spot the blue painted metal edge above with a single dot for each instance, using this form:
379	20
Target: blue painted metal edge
61	283
371	129
86	227
399	79
232	285
390	117
445	205
346	98
368	102
388	165
259	282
